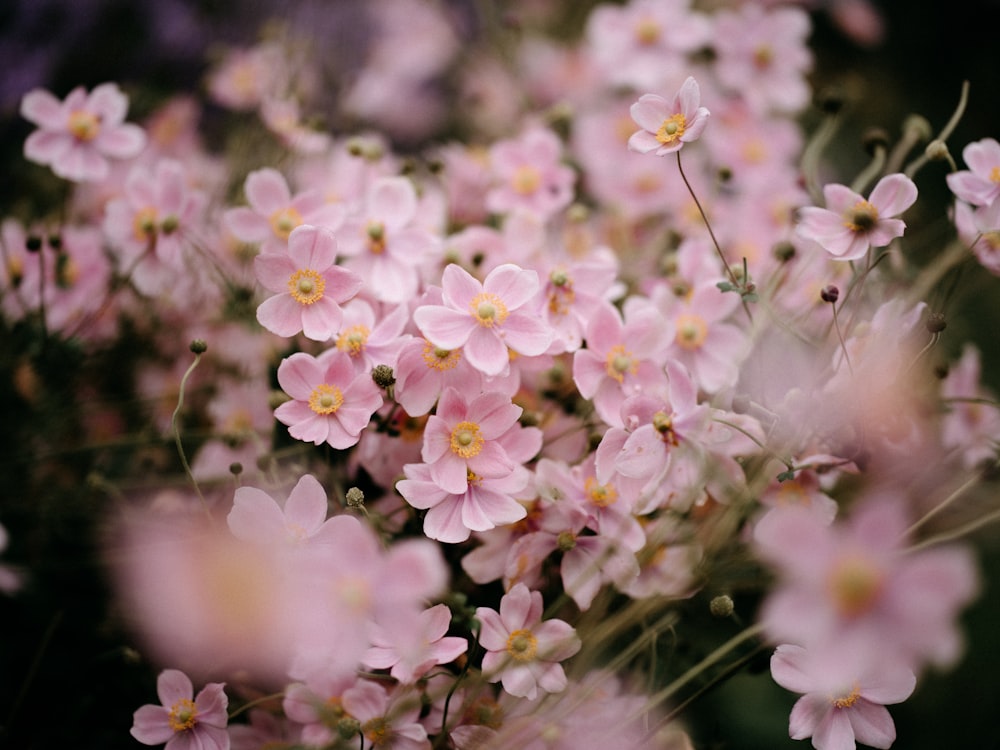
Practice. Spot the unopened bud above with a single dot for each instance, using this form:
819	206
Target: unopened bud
783	251
936	323
873	139
721	606
829	294
235	468
348	727
55	241
566	540
918	126
830	100
33	243
355	498
198	346
383	376
937	150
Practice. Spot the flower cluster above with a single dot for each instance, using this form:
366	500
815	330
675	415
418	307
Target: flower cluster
471	429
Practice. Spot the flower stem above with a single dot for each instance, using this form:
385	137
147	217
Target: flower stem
177	434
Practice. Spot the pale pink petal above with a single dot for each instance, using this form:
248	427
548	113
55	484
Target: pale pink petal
281	315
121	142
267	191
839	198
151	725
108	101
485	351
649	112
518	679
982	156
872	724
689	98
273	271
885	232
393	201
320	320
520	608
444	327
557	640
893	194
458	287
512	284
444	522
551	678
312	247
247	225
45	110
642	141
807	714
494	633
492	461
45	147
172	685
255	516
834	731
341	284
788	669
451	473
527	334
307	504
314	429
299	374
211	703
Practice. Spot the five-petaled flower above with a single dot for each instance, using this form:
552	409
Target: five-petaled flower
184	721
76	136
667	126
850	225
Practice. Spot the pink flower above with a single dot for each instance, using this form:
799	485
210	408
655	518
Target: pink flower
78	135
486	318
331	404
850	225
310	287
257	517
844	699
183	723
424	370
486	503
980	184
463	438
529	175
385	723
522	652
274	212
667	126
411	646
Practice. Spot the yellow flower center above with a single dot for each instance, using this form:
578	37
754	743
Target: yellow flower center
466	440
855	584
441	359
562	295
526	179
144	224
601	495
672	129
283	221
377	731
326	399
620	362
692	330
846	701
473	478
647	32
306	286
84	125
375	234
763	56
488	309
663	423
995	174
522	645
183	715
353	340
862	217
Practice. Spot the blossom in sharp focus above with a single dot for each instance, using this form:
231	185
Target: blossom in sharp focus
980	184
409	647
330	402
484	319
309	286
843	699
184	721
667	126
850	225
522	652
78	135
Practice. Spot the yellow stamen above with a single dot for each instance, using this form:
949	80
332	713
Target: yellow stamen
375	234
466	440
601	495
326	399
526	179
862	217
306	286
353	340
183	715
995	174
846	701
283	221
647	32
672	129
377	731
522	645
855	584
441	359
619	362
144	224
663	423
488	309
84	125
692	330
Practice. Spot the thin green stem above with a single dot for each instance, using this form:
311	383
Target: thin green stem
914	166
177	434
869	173
255	702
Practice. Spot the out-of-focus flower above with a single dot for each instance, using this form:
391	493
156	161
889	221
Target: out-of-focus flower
980	184
850	225
184	721
409	646
667	126
78	135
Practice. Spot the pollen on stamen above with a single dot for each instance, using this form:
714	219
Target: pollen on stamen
692	330
995	174
862	217
85	126
846	701
306	286
284	220
488	309
466	440
183	715
855	585
144	224
663	423
619	362
326	399
601	495
526	179
522	645
375	236
672	129
441	359
353	340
